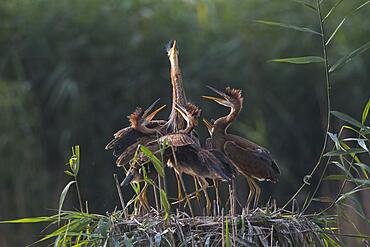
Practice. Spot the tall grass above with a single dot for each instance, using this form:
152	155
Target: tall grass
346	153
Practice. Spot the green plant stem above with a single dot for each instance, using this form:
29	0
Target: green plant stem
78	194
328	109
327	84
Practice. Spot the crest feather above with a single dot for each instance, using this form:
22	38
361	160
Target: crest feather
234	93
193	110
135	117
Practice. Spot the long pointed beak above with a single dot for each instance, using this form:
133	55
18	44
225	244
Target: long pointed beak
152	115
218	92
218	100
150	108
182	111
174	47
208	125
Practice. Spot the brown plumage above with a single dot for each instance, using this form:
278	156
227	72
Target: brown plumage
175	122
189	157
198	161
142	130
251	160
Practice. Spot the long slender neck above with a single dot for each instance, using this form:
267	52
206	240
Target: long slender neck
222	124
189	127
176	122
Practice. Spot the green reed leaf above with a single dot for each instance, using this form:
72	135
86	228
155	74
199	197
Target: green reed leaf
332	9
165	204
306	4
335	31
289	26
299	60
351	120
345	152
335	177
69	173
227	241
341	62
365	112
156	162
30	220
63	197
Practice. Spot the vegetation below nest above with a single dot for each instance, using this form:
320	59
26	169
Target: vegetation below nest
258	228
269	226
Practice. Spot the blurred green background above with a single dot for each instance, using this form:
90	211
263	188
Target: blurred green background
70	71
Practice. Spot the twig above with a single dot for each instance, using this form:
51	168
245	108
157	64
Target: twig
156	195
78	194
120	195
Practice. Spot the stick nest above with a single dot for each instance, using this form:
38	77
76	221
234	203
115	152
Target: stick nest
255	229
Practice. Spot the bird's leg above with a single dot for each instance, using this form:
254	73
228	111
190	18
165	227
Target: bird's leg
204	185
258	193
218	202
251	192
179	194
191	195
182	182
196	189
186	195
143	197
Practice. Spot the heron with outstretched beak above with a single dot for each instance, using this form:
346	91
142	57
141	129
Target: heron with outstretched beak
142	130
250	159
175	121
190	158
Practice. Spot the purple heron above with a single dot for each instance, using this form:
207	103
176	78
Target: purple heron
190	158
175	122
250	159
142	130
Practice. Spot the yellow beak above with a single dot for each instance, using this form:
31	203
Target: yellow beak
218	100
152	115
208	125
174	48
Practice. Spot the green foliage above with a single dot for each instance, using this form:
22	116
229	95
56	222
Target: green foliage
289	26
165	204
341	62
299	60
342	148
74	166
349	152
227	233
72	228
365	112
77	229
156	162
63	195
